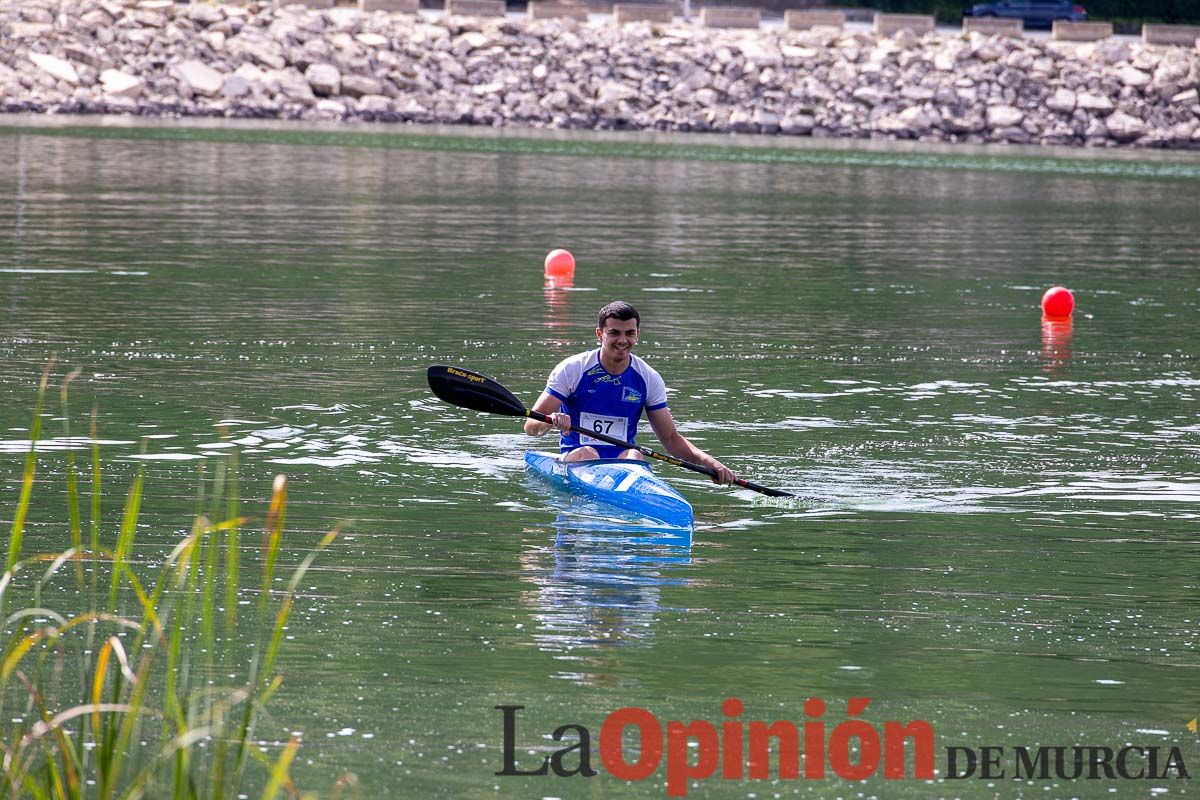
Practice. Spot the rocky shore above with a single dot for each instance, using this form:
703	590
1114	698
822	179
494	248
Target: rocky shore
157	58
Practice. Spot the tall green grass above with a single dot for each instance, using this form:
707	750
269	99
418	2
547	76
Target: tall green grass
114	692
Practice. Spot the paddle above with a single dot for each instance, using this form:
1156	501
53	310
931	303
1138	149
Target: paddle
462	387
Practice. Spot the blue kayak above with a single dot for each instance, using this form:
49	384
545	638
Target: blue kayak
628	486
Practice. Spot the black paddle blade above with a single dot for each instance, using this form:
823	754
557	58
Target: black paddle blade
462	387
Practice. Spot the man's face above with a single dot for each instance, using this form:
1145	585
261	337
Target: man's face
617	337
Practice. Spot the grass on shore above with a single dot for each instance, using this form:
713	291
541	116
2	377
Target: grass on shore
116	695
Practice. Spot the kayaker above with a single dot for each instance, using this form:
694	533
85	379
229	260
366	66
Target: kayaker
605	390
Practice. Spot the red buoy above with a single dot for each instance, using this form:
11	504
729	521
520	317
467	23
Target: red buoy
1058	303
560	264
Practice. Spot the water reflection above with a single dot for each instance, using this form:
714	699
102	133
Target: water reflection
1056	345
557	319
601	588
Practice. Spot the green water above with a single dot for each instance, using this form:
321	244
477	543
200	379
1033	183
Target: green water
998	530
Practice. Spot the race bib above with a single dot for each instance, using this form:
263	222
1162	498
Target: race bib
609	426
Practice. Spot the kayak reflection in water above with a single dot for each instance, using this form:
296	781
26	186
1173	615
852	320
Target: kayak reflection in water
600	588
604	390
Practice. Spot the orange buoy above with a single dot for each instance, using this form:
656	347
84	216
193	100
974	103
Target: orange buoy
1058	303
560	264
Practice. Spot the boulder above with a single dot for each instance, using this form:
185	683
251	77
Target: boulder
797	124
200	77
235	86
331	109
1124	127
1096	103
1062	101
292	85
266	52
360	86
204	14
1130	76
869	95
1004	116
30	30
767	121
613	92
372	40
57	68
324	79
375	104
121	84
970	122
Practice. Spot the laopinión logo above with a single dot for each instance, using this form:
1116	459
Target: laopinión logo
739	749
852	750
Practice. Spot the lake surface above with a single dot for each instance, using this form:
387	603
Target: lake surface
998	526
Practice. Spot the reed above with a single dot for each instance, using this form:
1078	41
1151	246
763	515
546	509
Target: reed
110	696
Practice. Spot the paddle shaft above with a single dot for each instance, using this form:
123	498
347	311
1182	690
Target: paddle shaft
646	451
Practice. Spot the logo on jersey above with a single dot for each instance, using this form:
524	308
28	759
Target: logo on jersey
631	395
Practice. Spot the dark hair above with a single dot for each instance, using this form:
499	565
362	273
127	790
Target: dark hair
620	310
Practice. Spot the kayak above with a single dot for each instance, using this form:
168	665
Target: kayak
622	484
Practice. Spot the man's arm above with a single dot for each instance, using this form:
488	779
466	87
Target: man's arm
677	444
547	404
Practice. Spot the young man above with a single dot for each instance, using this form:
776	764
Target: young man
605	390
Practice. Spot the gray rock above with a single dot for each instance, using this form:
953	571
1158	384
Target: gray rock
1110	51
1181	133
201	78
868	95
360	86
331	109
82	55
204	14
557	100
613	92
1129	76
1004	116
767	121
266	52
121	84
293	86
922	94
375	104
1124	127
1062	101
741	122
235	86
29	30
1098	103
324	79
969	122
1012	135
57	68
797	125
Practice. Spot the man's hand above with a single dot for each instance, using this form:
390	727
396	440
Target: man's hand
724	473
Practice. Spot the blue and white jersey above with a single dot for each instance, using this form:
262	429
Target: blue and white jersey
598	401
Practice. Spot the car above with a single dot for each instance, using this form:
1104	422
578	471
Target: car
1034	13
